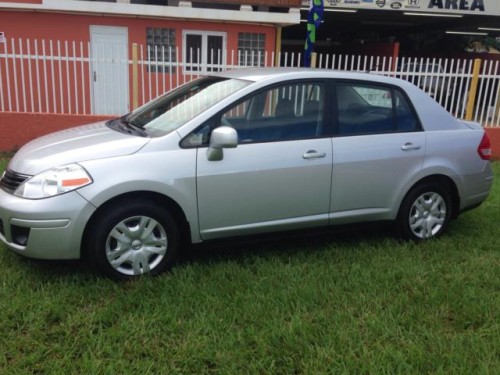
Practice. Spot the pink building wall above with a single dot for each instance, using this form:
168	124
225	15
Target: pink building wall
38	26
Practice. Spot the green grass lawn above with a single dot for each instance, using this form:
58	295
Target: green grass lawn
353	303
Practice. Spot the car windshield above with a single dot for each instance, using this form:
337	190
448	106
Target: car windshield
175	108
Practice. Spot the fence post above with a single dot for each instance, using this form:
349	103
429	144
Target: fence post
496	111
471	101
314	57
135	78
278	46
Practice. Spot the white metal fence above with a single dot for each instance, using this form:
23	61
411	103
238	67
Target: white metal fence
73	78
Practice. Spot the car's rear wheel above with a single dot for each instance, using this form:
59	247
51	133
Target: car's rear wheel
133	239
425	212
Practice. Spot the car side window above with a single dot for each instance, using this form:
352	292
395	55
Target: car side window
370	109
364	109
288	112
406	120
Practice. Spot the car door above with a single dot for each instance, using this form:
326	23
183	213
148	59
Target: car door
279	175
378	148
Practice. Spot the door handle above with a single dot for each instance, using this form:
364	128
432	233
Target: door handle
408	146
313	154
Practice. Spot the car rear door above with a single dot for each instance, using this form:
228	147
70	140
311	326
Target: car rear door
378	148
279	176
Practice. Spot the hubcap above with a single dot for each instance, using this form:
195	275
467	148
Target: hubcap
427	215
136	245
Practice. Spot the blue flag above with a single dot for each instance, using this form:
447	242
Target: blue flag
314	19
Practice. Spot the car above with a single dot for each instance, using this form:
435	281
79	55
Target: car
430	77
241	153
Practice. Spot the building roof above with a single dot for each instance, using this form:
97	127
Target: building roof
287	13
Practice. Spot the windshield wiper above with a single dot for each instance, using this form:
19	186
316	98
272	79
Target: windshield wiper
139	129
127	127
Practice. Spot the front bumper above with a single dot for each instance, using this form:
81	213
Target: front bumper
50	228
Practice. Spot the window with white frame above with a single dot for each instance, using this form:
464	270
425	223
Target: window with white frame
203	51
161	50
251	49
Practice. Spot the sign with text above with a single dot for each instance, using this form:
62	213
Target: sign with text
479	7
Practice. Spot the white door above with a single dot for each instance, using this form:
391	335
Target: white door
109	70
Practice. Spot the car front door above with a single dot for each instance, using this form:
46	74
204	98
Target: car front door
378	149
279	175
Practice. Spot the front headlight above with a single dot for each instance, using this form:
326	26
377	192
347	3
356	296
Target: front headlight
53	182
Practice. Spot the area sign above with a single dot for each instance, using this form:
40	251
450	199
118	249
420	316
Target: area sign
479	7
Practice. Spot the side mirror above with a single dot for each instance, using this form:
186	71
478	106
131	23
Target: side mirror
221	137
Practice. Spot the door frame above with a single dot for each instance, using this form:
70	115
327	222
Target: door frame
204	41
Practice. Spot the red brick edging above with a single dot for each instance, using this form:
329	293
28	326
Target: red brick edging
16	129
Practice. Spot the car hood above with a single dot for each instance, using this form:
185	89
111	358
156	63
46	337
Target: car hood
88	142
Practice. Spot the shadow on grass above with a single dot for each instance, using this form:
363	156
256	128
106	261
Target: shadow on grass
54	270
285	244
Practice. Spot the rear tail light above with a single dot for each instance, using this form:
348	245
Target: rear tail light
484	148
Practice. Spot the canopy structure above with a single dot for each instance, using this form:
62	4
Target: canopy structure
364	21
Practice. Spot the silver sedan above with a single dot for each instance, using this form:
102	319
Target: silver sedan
240	153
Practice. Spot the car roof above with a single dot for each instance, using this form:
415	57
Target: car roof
260	74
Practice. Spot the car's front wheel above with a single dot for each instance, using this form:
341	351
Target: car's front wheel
132	239
425	212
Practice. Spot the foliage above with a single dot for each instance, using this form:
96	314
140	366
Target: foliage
492	42
430	42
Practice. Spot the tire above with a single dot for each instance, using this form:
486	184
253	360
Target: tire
425	212
129	240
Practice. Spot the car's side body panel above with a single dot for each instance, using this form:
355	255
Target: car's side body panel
258	187
370	171
162	167
454	154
